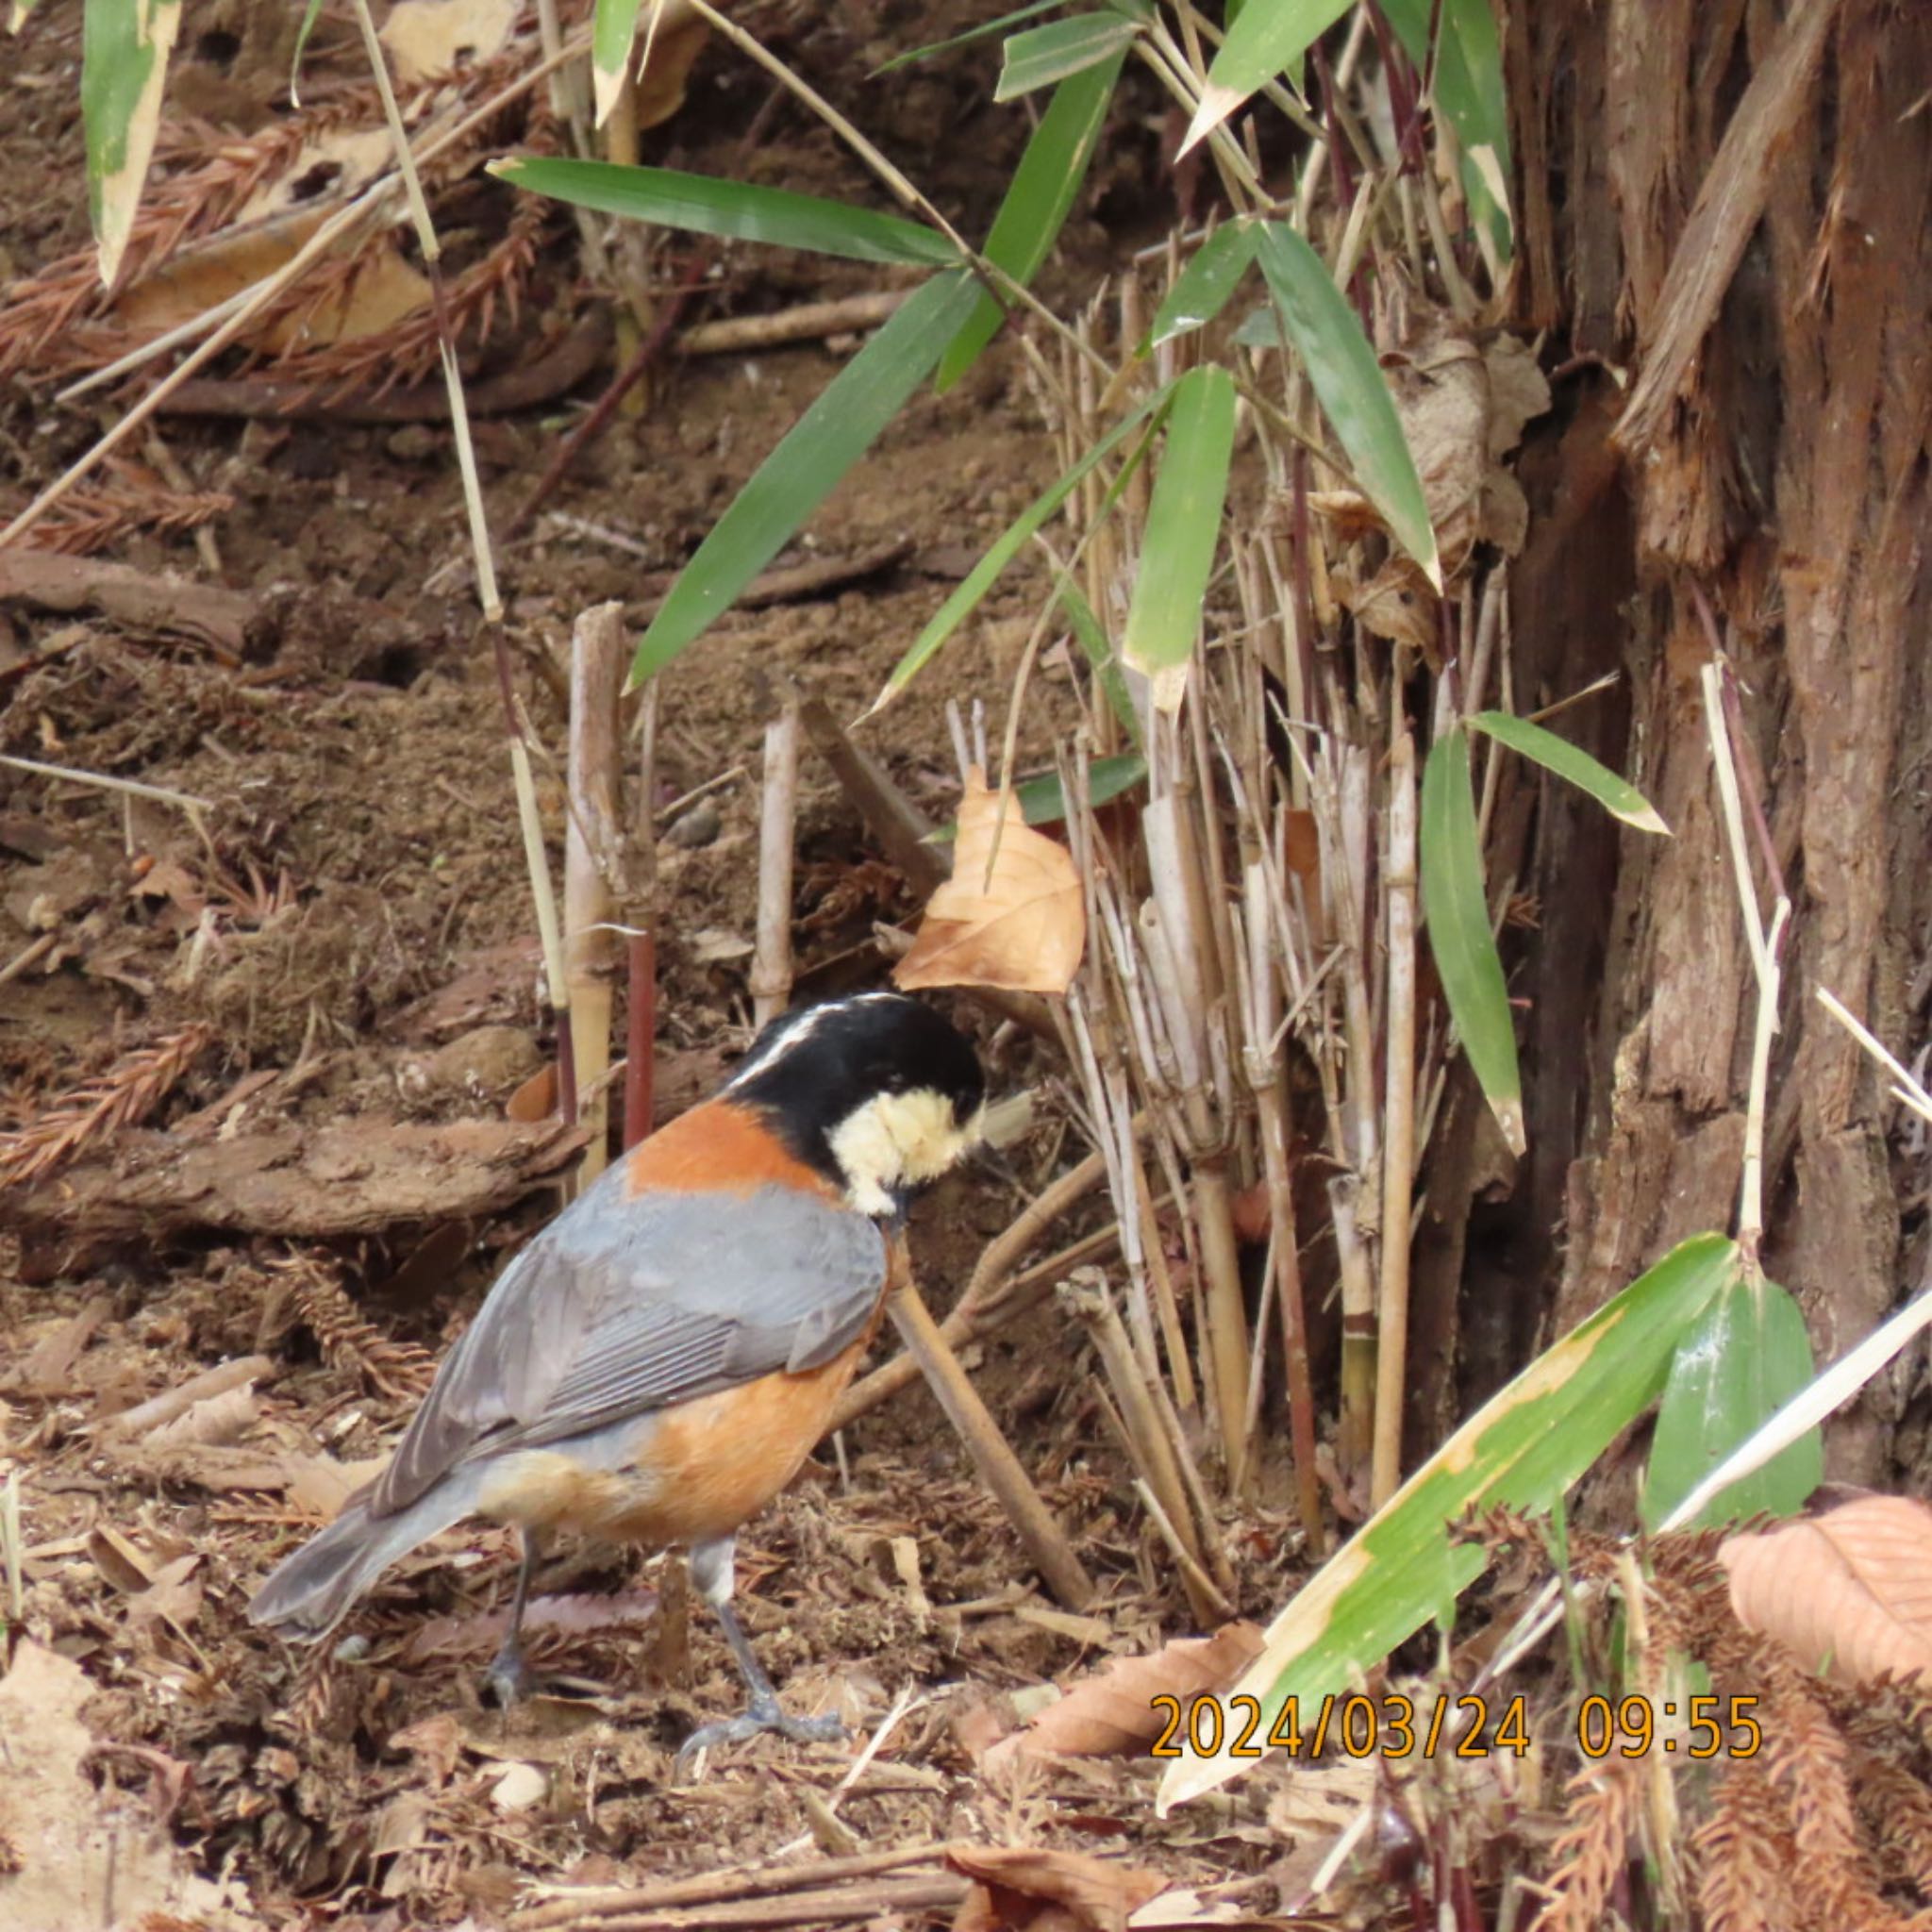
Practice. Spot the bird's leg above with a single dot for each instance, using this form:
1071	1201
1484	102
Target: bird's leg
509	1678
713	1570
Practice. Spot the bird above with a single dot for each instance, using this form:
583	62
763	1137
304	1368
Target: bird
655	1366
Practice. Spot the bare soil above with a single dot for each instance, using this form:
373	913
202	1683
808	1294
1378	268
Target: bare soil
337	939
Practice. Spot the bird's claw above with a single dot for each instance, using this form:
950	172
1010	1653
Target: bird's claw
510	1679
763	1714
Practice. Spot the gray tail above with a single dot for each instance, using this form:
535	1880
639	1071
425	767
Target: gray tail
311	1591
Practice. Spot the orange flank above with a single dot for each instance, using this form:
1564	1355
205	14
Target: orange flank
702	1467
722	1147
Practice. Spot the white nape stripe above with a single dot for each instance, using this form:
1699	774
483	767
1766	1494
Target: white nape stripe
762	1058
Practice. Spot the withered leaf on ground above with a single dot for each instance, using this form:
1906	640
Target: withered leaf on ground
1022	929
1022	1888
1112	1709
1850	1590
72	1853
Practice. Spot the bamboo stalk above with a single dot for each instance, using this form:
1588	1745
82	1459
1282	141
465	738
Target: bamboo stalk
999	1468
771	965
1356	1429
1398	1150
599	648
640	938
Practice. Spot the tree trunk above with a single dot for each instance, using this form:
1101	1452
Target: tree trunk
1725	220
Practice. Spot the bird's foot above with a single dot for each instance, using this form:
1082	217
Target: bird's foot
763	1714
509	1678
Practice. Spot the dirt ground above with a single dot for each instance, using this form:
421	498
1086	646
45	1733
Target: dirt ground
336	941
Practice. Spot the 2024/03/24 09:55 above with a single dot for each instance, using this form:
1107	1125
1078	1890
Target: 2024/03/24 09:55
1391	1726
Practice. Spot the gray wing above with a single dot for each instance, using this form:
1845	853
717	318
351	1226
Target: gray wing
623	1305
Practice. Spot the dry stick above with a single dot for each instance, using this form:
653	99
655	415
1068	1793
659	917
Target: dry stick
806	322
990	1277
592	882
606	405
1271	1107
567	1904
1398	1147
1764	951
770	963
1046	1543
890	1899
1152	1454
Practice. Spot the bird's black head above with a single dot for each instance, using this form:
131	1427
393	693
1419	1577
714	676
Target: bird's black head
877	1091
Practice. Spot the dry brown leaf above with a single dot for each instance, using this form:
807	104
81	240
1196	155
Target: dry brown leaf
72	1853
1462	407
323	1485
429	38
1112	1710
675	43
1024	928
383	290
1849	1591
572	1616
536	1099
1021	1888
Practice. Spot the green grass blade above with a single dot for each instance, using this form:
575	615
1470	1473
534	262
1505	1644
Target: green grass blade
1009	542
1456	910
614	28
1522	1449
1043	55
1100	656
806	467
1207	284
1328	336
1042	802
311	14
971	34
703	205
1262	43
1035	208
1617	796
1738	1367
125	46
1183	533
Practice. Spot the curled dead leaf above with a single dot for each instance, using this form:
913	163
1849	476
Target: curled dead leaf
1850	1590
1021	1888
427	38
1023	927
1112	1710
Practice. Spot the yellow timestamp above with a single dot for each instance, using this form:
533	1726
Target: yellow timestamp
1392	1726
1713	1726
1358	1726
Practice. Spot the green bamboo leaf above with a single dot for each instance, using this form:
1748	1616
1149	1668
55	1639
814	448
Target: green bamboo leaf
1456	910
614	28
1035	207
733	211
1523	1450
1042	802
971	34
1744	1359
1207	284
1262	43
1044	55
1328	336
806	467
1011	541
1183	533
1617	796
125	46
1468	91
